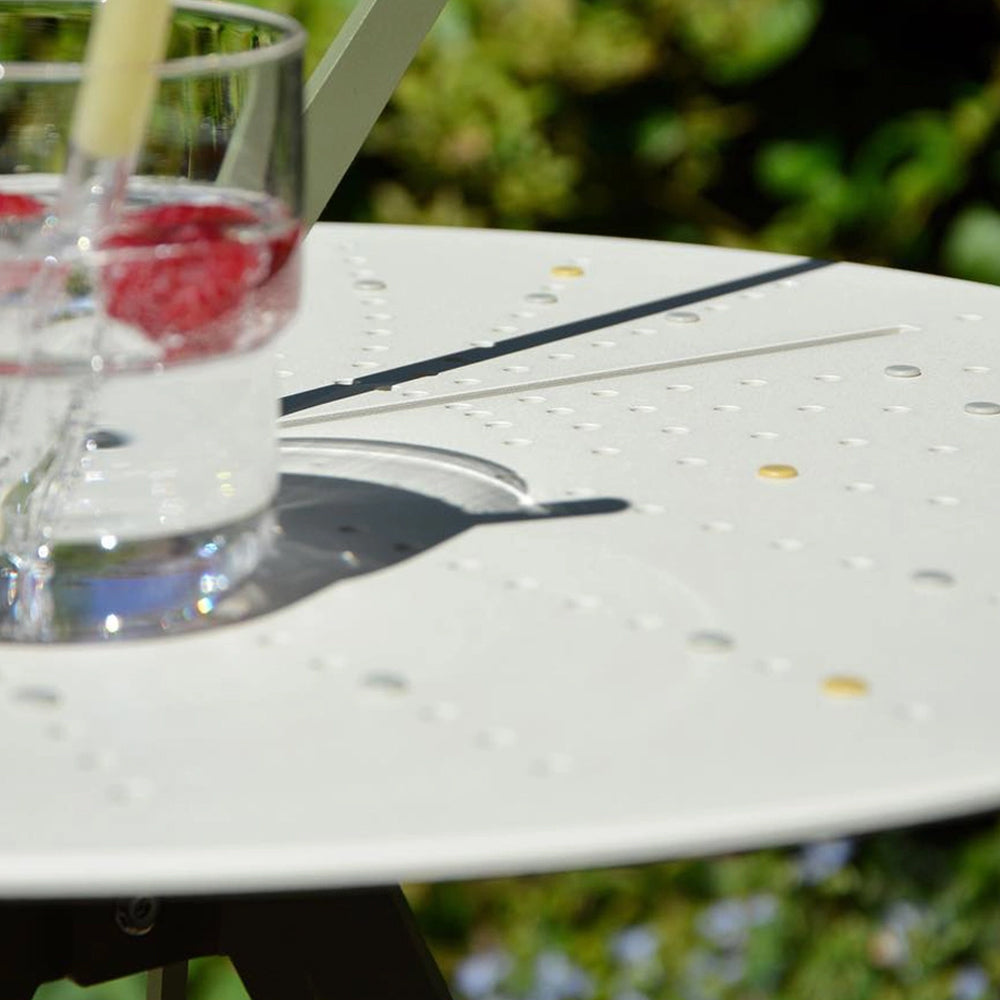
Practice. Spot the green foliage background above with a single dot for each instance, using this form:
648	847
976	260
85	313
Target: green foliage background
860	129
839	128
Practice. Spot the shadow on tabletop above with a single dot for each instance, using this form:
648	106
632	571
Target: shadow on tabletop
378	505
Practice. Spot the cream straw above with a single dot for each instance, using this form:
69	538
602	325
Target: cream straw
127	42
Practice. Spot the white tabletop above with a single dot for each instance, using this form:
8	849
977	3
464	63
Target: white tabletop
705	658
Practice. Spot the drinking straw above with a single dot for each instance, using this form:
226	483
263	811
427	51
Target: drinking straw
127	41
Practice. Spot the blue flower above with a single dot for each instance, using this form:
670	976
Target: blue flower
970	983
634	946
557	978
818	862
478	975
725	924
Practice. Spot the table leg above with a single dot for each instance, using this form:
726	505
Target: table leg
168	982
353	945
350	945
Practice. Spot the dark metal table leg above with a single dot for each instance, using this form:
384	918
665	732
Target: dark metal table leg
360	945
354	945
168	982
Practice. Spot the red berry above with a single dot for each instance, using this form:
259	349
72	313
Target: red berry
187	293
19	206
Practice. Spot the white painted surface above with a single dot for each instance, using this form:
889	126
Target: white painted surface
558	693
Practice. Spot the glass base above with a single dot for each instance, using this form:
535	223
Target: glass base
156	586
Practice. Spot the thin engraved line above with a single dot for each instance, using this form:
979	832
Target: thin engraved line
655	366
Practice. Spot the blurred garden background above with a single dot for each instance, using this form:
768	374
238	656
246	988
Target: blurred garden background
837	128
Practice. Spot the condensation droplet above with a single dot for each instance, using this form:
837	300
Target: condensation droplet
604	393
541	298
915	711
606	450
37	696
777	472
944	501
679	387
562	356
677	430
586	427
560	411
465	565
854	442
554	764
859	562
726	408
466	381
497	738
718	527
903	371
604	343
129	791
845	686
933	579
765	435
753	383
516	369
982	408
896	409
524	583
441	711
649	508
775	665
787	544
646	622
502	424
829	378
370	285
976	369
284	373
518	442
458	406
710	642
943	449
584	602
693	461
506	329
811	408
388	684
644	331
531	399
969	317
682	317
861	487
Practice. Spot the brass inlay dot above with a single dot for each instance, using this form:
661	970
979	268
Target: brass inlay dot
777	472
845	686
567	271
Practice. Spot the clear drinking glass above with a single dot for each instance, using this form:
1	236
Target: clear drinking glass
138	457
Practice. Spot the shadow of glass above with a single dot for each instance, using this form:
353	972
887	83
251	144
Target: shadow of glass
331	529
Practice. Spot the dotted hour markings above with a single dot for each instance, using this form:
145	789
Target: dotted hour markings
933	579
983	408
845	687
567	271
777	472
903	371
710	642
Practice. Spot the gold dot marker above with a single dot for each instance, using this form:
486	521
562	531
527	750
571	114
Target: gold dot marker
845	686
777	472
567	271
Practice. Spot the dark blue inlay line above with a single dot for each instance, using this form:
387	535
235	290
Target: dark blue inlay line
427	367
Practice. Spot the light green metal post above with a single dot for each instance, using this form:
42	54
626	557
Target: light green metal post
353	83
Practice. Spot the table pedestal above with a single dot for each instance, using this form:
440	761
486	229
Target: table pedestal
361	944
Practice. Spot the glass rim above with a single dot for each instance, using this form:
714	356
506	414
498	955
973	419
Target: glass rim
56	71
